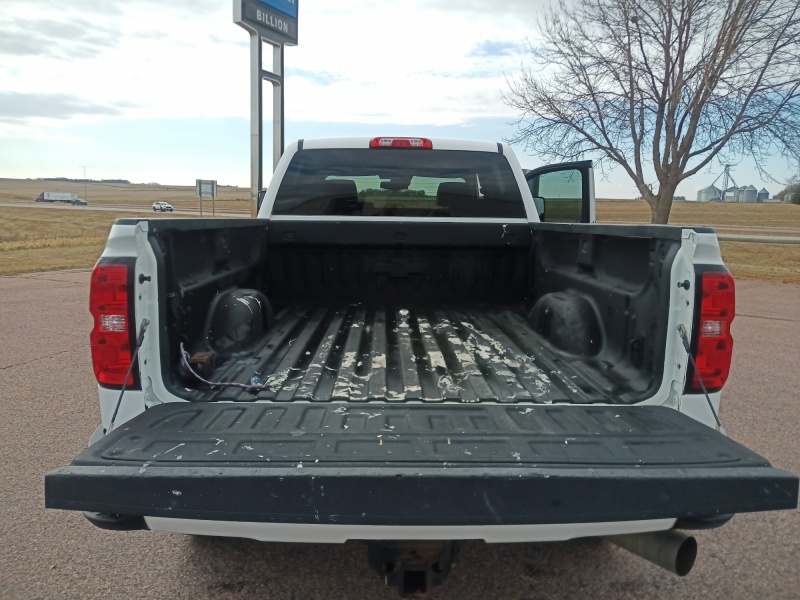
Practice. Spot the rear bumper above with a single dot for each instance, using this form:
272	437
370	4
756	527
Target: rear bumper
423	496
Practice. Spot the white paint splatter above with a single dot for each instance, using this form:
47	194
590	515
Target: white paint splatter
465	358
349	359
175	448
437	360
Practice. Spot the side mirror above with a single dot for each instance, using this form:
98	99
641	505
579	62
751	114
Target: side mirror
539	202
260	199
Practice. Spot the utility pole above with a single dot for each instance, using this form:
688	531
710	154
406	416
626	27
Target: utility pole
85	195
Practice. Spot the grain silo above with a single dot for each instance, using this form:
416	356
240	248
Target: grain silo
763	195
709	194
748	194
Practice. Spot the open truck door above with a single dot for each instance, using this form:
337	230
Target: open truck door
564	193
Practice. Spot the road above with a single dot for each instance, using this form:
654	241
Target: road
48	410
123	208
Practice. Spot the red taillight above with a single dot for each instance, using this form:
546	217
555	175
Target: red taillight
401	142
714	340
110	337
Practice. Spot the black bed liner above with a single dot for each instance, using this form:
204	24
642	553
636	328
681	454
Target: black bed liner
358	353
451	464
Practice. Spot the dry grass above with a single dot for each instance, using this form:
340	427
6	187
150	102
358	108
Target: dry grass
764	262
28	225
47	240
51	243
50	259
715	214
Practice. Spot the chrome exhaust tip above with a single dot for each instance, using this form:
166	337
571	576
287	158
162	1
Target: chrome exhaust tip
670	550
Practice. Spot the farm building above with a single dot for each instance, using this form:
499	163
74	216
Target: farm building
709	194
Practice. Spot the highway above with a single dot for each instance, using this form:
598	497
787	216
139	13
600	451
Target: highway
48	410
123	208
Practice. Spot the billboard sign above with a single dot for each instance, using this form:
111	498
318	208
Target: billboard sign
205	187
274	20
288	7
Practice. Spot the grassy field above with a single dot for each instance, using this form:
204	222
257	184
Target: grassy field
41	240
47	240
764	262
715	214
44	240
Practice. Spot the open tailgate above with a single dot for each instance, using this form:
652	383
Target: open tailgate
417	464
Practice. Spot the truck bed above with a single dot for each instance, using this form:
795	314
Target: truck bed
358	353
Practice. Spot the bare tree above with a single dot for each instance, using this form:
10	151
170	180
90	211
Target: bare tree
663	87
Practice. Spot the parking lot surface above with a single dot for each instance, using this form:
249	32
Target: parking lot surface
48	410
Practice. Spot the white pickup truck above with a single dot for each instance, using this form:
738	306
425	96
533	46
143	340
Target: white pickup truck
415	343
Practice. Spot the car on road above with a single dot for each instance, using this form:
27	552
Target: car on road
162	207
78	202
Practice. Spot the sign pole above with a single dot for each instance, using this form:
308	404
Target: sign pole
274	22
256	121
277	106
203	186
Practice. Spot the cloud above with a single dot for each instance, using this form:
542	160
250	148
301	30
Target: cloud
84	6
319	77
494	48
491	8
64	39
108	7
16	107
182	5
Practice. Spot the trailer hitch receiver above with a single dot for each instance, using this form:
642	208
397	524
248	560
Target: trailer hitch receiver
413	567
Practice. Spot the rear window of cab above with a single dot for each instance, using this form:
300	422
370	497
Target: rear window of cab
393	182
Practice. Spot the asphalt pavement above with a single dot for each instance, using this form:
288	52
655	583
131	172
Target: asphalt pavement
48	410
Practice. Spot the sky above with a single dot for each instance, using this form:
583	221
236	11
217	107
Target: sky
159	90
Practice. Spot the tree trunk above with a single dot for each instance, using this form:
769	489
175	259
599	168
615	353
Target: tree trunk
660	208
